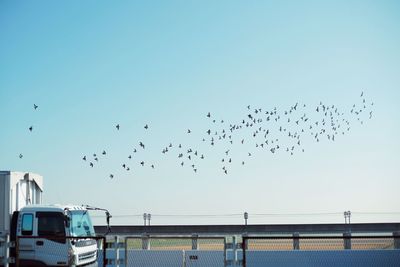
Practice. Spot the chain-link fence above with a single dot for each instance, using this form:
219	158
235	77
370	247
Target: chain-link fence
175	251
317	250
59	251
210	251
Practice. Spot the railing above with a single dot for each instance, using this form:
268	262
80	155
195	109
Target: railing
229	230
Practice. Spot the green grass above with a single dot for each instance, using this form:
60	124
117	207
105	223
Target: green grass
176	244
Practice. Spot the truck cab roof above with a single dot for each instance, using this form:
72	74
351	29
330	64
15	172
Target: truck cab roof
51	208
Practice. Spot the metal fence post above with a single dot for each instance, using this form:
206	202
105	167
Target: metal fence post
126	251
230	251
183	258
347	240
225	252
145	242
116	250
234	249
296	241
236	246
5	244
396	236
195	243
104	247
239	251
244	248
110	248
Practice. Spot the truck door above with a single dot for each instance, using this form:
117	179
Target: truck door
51	246
26	244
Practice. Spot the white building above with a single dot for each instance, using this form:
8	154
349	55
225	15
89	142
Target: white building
18	189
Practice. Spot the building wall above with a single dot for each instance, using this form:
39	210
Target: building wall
17	189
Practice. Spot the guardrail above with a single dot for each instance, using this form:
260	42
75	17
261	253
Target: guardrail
260	229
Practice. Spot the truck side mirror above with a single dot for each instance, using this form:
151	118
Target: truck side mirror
67	221
108	215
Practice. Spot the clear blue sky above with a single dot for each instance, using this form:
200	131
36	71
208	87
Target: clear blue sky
90	65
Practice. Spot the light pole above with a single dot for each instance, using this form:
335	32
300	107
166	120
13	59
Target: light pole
347	215
144	218
246	216
149	218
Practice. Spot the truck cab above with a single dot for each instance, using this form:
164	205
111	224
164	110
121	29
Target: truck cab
54	235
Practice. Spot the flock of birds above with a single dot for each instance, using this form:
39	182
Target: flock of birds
271	130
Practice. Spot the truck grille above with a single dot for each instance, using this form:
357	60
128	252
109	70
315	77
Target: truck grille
85	242
87	256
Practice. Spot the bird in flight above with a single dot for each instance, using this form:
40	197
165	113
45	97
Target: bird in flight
20	156
35	106
111	176
146	126
31	128
84	158
117	126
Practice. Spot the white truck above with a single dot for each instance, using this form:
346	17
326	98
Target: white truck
33	234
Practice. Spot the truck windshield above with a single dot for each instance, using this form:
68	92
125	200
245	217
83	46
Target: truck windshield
80	224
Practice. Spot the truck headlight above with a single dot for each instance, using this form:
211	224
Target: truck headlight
71	257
